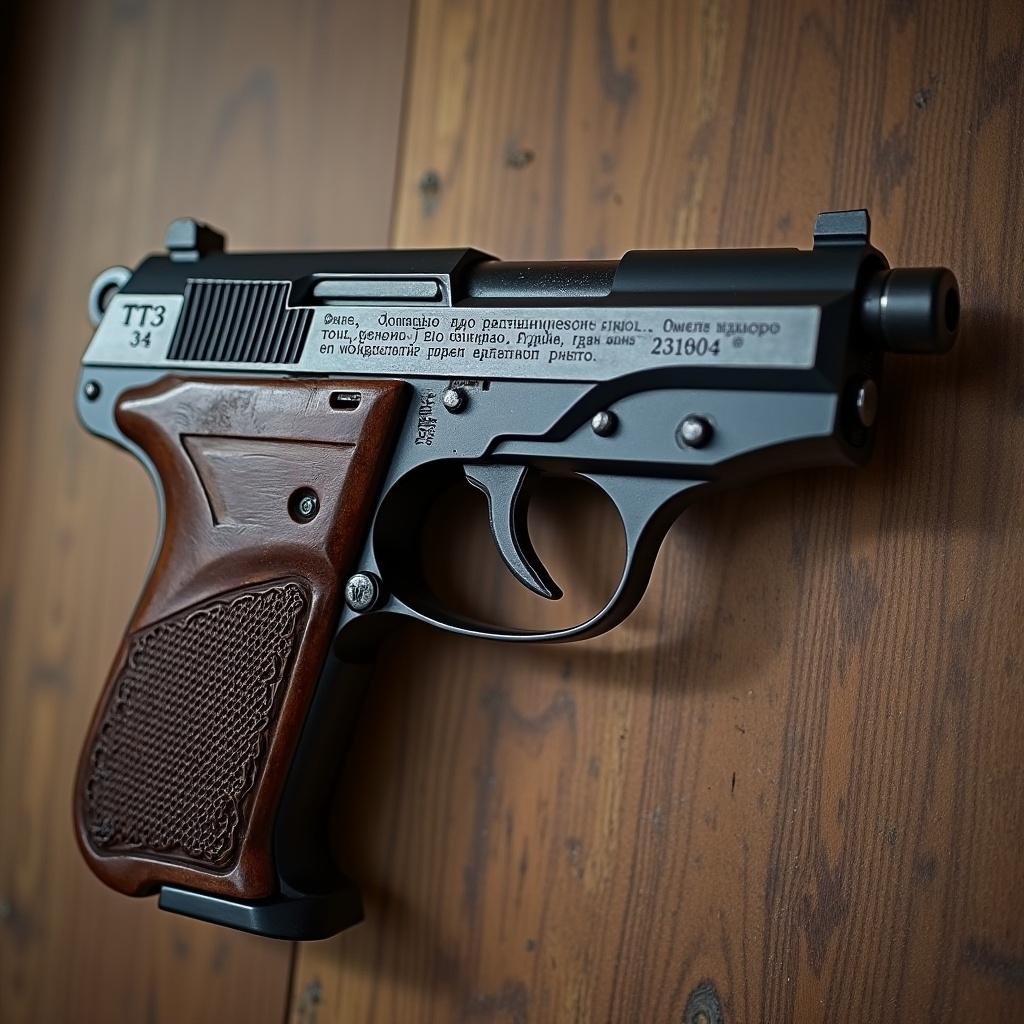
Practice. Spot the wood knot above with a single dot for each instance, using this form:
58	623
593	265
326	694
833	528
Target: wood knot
703	1005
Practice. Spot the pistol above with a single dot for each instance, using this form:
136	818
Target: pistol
298	414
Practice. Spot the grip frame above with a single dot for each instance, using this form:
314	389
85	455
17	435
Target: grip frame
231	454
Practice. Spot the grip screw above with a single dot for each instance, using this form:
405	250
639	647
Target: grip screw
91	390
454	399
693	432
604	423
363	591
303	505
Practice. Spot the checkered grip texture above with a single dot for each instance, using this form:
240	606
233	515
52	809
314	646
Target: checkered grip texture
184	734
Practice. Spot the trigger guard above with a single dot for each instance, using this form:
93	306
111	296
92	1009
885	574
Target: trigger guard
647	507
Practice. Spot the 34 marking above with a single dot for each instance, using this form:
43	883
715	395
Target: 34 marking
141	315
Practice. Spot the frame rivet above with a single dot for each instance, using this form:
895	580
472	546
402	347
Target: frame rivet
454	399
867	403
91	390
693	432
363	591
604	423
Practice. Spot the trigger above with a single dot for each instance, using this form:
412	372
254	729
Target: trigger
508	495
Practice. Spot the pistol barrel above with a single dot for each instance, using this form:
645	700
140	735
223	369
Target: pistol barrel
912	310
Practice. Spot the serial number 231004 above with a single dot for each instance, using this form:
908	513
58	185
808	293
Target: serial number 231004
691	346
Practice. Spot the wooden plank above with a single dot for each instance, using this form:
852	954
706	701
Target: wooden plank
795	772
280	124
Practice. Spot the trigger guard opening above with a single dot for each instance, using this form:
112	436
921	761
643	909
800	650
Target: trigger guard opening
646	506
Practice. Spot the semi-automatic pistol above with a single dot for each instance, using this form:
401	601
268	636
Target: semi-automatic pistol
300	412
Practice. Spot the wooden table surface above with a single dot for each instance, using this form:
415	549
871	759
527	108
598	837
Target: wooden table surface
792	780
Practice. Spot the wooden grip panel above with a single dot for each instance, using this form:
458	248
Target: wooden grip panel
181	738
186	759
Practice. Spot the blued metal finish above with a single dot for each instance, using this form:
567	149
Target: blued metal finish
187	240
495	280
508	493
287	917
913	310
658	377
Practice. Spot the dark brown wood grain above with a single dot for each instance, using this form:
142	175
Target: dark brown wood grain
231	456
279	123
795	773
